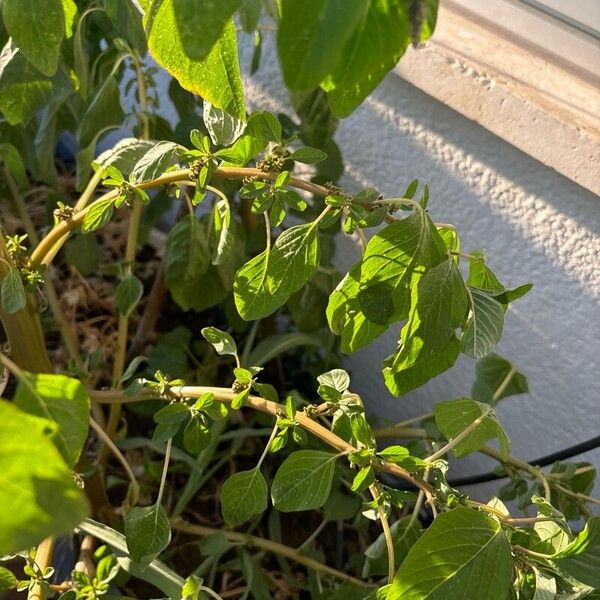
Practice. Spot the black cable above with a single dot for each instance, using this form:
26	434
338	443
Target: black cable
544	461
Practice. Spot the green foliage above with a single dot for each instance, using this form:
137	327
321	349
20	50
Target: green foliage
61	400
243	496
38	494
174	432
148	533
303	481
454	553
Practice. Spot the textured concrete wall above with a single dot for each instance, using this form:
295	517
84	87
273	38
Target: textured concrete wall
535	226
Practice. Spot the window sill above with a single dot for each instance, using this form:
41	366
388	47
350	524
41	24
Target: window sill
517	93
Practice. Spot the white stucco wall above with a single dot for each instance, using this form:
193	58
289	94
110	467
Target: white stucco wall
535	226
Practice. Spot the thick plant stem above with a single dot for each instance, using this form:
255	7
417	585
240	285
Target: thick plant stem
277	410
269	546
43	559
23	328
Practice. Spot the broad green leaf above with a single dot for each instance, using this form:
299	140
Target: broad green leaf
103	109
62	400
376	291
223	128
12	292
38	494
83	252
454	416
278	343
98	214
243	496
198	28
216	77
480	275
222	229
497	378
249	14
308	155
303	481
375	46
186	258
156	573
196	435
127	23
545	587
312	36
484	327
7	579
10	157
155	162
124	155
581	558
294	259
128	294
23	89
222	342
38	29
463	554
148	532
548	538
251	143
405	532
252	298
338	379
428	344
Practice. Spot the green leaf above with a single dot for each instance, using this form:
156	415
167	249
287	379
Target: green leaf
405	532
278	343
148	532
37	29
251	143
156	573
7	580
223	128
62	400
12	292
222	228
307	155
199	29
38	494
484	327
428	344
222	342
12	160
83	252
128	294
155	162
363	479
186	258
249	14
23	89
454	416
98	215
581	558
303	481
380	39
376	291
196	435
252	298
338	379
124	155
545	587
453	559
243	496
294	259
103	109
312	36
216	77
497	378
